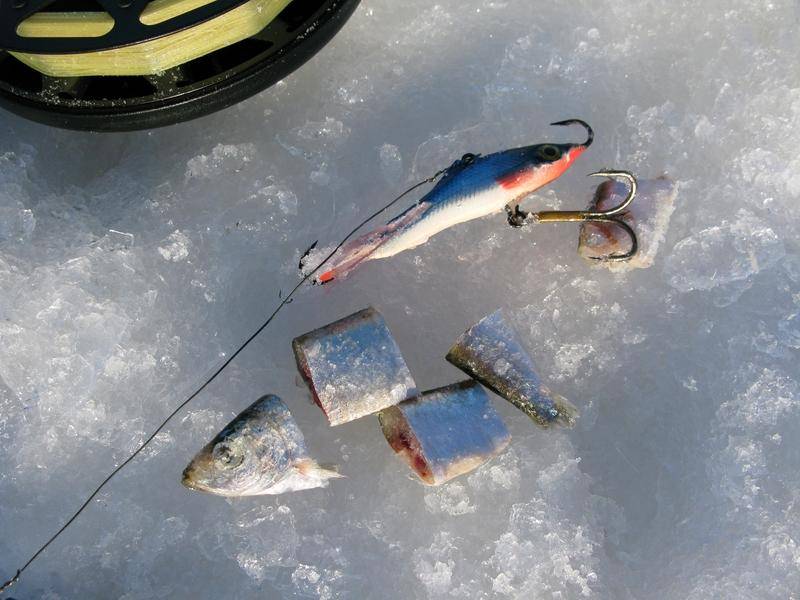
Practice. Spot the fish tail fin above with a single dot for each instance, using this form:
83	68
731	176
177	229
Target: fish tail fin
338	271
567	412
322	472
351	255
331	471
362	248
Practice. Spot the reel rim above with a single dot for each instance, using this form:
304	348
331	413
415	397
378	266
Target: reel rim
201	97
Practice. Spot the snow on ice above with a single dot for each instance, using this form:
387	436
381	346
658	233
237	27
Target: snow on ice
132	264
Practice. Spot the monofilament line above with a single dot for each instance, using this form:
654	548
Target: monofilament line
286	300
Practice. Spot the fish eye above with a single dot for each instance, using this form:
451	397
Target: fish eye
549	152
227	456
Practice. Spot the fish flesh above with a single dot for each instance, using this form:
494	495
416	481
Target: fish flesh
445	432
262	451
353	367
649	216
473	187
490	351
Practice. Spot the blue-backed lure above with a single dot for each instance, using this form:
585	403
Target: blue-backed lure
472	187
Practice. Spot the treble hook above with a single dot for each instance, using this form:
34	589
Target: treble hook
612	215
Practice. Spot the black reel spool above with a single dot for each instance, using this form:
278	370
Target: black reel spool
198	87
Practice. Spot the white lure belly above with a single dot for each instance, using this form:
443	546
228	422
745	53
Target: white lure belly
444	215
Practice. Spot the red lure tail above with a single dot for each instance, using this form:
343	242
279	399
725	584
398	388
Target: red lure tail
361	249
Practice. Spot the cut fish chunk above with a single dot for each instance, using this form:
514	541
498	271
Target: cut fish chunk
445	432
648	215
491	352
353	367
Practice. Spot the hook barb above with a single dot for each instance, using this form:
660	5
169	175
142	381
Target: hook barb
632	249
633	187
612	215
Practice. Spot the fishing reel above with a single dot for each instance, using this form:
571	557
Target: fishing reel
118	65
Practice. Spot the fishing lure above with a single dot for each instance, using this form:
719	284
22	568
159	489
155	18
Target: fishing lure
472	187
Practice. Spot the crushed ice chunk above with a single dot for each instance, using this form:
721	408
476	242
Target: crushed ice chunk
261	540
723	254
223	158
322	131
116	240
434	566
451	499
391	162
16	223
177	247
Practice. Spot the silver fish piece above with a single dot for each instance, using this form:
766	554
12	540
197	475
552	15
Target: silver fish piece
649	216
445	432
491	352
353	367
473	187
262	451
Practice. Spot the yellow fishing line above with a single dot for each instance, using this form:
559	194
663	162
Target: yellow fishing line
149	57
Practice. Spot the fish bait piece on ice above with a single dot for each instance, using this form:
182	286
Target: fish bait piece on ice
491	352
353	367
445	432
649	216
471	188
261	451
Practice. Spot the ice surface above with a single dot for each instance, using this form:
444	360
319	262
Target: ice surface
681	477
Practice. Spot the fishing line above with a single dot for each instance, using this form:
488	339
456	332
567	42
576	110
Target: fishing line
286	300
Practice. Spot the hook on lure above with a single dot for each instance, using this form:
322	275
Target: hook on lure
589	130
612	215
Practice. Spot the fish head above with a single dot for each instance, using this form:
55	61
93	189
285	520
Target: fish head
535	166
226	467
247	457
261	451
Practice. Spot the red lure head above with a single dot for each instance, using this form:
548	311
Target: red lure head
544	163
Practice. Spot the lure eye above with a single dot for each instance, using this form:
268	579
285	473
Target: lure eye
227	457
549	152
